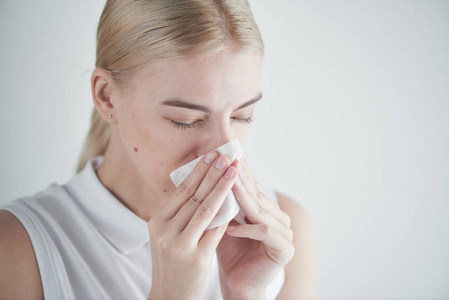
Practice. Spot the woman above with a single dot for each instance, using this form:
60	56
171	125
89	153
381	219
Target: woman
174	80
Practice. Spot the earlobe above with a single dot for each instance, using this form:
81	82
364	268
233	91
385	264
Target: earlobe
102	85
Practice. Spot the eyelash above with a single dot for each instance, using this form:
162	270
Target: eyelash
183	126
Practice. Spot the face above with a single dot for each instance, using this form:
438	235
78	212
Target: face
177	110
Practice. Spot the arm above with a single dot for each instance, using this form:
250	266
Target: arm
19	273
300	272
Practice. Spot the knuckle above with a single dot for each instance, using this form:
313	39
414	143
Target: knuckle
195	200
184	188
261	211
258	187
266	230
205	211
259	195
202	167
211	176
164	244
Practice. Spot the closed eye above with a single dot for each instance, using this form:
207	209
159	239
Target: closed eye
245	120
184	126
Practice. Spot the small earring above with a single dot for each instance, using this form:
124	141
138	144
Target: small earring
110	116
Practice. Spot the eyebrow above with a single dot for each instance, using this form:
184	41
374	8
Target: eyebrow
178	102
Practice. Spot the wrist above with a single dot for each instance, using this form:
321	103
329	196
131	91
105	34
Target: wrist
239	292
244	295
160	295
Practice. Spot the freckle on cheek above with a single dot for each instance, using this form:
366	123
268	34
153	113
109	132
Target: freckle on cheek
165	190
136	150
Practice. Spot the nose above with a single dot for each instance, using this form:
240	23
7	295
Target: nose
214	137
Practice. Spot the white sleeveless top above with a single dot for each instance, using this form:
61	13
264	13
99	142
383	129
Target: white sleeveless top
88	245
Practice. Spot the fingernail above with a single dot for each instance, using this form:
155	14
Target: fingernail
209	158
221	162
230	172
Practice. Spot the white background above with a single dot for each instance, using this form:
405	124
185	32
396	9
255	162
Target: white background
353	125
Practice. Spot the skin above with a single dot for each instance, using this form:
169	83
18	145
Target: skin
220	82
146	146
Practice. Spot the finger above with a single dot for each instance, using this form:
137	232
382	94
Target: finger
251	183
257	214
262	198
272	206
281	250
262	195
265	202
182	218
255	190
210	206
246	175
212	237
188	187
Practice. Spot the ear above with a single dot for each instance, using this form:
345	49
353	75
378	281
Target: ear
102	85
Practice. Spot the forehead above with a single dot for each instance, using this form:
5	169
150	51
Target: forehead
215	80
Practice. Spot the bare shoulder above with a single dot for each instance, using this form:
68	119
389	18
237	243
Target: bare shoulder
19	273
290	206
300	272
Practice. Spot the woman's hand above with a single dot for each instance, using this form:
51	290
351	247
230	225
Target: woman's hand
181	249
251	255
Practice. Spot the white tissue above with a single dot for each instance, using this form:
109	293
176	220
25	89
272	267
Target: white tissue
230	207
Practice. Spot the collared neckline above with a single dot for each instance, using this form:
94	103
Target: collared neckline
119	225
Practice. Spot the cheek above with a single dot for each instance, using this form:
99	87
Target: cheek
145	142
135	133
153	149
242	133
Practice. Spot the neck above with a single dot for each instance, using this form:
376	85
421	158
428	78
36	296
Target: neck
121	178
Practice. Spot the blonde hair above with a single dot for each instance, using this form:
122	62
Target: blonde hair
133	33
